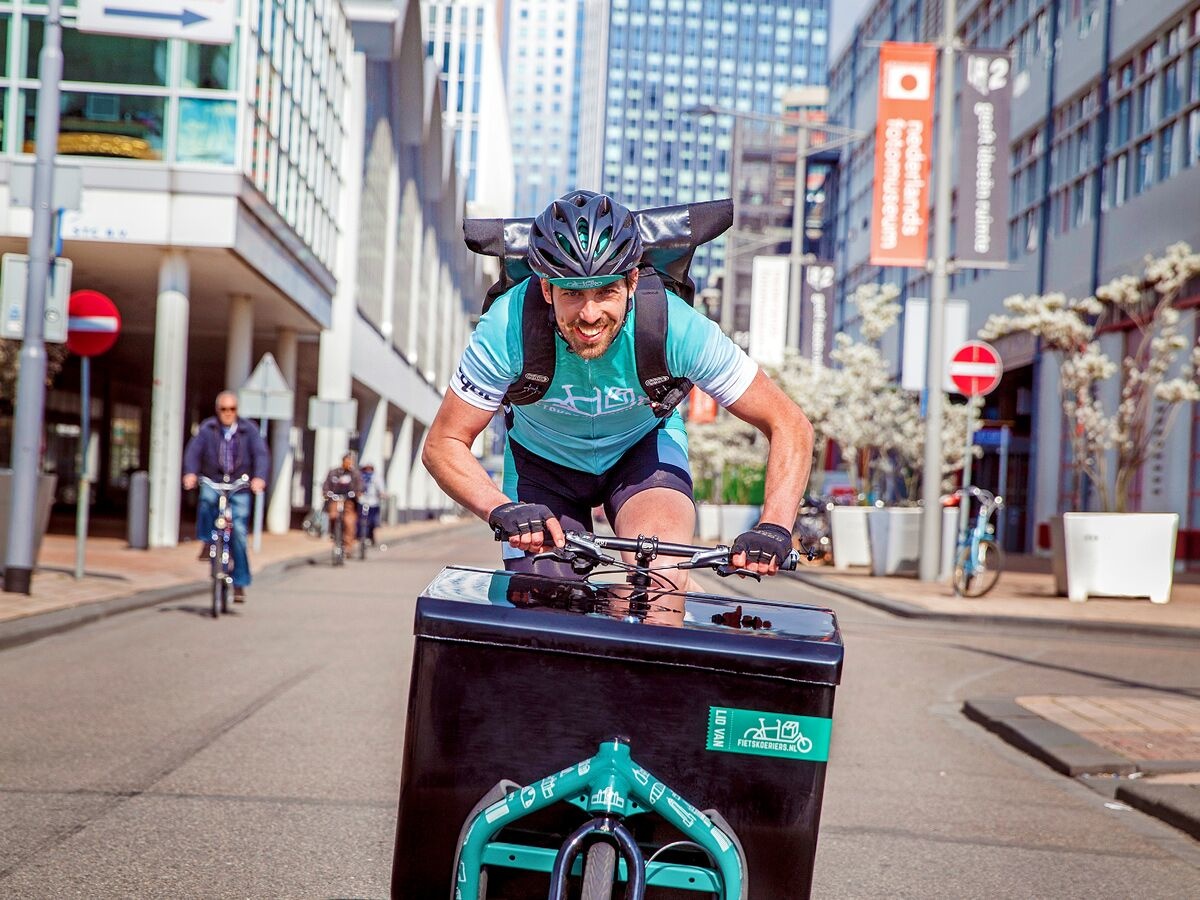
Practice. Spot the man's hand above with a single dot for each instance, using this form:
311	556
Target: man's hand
526	526
762	548
257	485
189	481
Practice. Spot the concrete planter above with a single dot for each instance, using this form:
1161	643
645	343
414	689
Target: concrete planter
895	539
851	541
47	484
736	518
1117	555
708	521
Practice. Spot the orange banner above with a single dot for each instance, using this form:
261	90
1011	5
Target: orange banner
903	147
702	408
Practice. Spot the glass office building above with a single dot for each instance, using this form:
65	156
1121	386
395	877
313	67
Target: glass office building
649	65
542	50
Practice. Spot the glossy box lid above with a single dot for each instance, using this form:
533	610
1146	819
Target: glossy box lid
778	640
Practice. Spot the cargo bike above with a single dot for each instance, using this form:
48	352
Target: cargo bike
576	735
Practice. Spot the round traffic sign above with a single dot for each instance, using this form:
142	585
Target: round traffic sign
975	368
93	323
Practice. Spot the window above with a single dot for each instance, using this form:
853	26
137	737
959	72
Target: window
98	124
207	131
210	66
1145	167
1166	153
100	57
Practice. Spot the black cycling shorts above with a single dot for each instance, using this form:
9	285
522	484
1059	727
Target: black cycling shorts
571	494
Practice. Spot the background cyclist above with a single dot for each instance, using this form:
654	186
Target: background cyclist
346	481
593	439
224	448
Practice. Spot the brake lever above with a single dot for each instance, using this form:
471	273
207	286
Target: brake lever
726	571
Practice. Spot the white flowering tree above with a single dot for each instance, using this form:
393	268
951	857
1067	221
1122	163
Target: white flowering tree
724	448
855	404
1149	400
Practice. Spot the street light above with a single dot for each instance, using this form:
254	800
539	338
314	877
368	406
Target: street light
808	97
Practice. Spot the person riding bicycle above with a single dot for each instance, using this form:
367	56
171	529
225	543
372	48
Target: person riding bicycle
345	481
370	499
593	439
223	449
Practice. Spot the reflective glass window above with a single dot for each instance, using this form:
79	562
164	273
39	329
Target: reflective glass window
210	66
101	57
207	131
97	124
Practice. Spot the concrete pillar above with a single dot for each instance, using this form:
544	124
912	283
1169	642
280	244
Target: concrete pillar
279	506
399	469
239	341
390	240
445	336
373	439
333	368
1049	436
418	477
167	399
416	293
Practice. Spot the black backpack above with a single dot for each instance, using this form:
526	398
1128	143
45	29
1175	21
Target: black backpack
670	236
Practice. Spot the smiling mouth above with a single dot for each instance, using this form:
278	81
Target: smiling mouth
590	332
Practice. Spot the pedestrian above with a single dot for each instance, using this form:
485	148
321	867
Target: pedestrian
224	448
370	499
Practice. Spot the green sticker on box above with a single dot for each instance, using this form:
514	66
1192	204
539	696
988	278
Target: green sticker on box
759	733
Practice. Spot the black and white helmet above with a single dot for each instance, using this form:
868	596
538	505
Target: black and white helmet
584	240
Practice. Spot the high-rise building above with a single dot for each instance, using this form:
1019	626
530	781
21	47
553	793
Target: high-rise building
650	65
463	39
1103	167
542	52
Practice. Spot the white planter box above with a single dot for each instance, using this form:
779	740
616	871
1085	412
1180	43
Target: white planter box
1120	555
848	531
737	518
708	521
895	539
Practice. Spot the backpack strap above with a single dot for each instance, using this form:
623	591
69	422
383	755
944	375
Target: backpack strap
650	346
537	341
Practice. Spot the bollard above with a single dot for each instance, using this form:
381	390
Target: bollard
138	516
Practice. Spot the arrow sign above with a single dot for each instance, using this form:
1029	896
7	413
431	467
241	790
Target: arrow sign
975	368
184	17
206	21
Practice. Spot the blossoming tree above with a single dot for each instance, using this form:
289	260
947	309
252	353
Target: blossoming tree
1149	400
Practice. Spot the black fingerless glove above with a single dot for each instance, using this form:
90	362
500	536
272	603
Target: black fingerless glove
764	541
512	519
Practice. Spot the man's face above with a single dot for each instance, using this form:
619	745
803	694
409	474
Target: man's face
589	319
347	462
227	409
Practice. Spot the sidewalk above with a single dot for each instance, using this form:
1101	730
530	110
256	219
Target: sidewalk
117	578
1024	594
1140	749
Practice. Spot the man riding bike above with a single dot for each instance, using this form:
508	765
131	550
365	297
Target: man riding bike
594	439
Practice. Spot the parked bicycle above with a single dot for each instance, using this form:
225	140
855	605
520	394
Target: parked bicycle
810	533
220	545
979	559
337	524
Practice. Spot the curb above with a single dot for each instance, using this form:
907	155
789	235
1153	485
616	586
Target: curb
1178	805
28	629
910	611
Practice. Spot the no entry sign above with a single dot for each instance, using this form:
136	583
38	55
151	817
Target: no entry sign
93	323
975	368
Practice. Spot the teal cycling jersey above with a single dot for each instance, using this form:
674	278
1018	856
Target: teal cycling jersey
595	410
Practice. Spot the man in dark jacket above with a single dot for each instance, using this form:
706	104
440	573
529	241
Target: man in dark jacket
225	448
346	482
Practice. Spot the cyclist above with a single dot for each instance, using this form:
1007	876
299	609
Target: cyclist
370	499
346	481
593	439
224	448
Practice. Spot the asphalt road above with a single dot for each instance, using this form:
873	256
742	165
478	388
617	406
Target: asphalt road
161	754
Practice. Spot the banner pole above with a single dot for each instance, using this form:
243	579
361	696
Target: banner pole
939	289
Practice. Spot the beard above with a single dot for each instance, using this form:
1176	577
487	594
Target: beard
596	347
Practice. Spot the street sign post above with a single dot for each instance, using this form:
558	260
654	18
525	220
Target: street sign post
976	370
265	395
92	327
14	281
204	21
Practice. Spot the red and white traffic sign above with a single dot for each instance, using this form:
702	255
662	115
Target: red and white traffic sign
975	368
93	323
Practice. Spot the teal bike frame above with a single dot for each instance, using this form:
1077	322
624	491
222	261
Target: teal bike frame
610	786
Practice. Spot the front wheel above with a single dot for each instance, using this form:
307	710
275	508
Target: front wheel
339	551
599	869
976	580
218	585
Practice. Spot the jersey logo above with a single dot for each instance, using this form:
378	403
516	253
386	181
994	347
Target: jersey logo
594	404
472	388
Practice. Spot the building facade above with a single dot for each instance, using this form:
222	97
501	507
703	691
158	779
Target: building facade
1104	169
649	68
462	37
239	199
543	44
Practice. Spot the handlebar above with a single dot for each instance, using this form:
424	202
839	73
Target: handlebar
585	552
226	487
332	495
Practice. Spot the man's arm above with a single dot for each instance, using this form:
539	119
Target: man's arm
448	457
191	462
790	435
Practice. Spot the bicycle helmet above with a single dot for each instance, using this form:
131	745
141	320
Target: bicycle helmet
584	240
